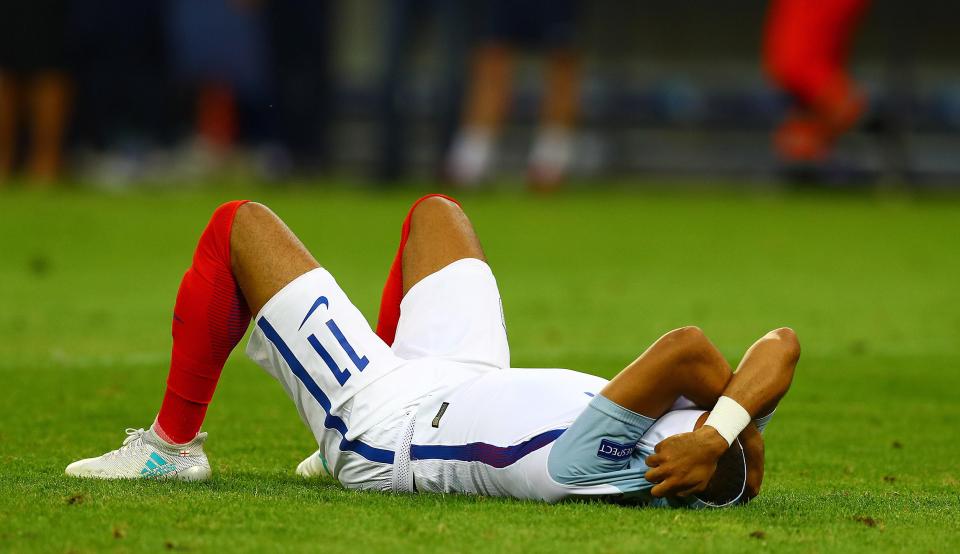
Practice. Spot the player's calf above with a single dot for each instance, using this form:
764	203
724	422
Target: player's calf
244	257
210	317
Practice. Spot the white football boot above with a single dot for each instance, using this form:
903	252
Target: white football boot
314	466
144	455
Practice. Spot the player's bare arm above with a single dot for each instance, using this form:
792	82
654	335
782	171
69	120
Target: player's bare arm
685	363
754	450
683	464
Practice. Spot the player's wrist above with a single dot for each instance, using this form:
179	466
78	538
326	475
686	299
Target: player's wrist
713	441
728	418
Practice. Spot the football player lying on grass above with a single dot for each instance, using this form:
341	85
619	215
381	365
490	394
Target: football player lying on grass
429	402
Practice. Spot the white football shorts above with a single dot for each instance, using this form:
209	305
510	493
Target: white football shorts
353	391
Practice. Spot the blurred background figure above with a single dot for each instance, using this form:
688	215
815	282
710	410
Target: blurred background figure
124	112
549	25
806	48
186	92
403	22
35	89
219	51
302	102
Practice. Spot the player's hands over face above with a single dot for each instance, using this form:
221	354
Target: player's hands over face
752	442
683	464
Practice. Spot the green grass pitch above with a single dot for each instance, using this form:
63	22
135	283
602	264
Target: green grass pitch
862	456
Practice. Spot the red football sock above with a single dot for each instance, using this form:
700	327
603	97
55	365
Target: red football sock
209	319
393	290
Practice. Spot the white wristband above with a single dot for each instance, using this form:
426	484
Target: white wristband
729	418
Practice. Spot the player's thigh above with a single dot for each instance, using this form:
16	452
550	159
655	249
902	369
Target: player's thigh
440	234
451	307
265	254
312	339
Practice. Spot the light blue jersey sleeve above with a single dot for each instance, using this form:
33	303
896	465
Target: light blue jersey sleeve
600	448
762	422
606	445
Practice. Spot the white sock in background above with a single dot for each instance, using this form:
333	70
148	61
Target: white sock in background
550	156
471	156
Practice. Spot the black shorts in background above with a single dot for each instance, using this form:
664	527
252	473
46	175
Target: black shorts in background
533	23
32	35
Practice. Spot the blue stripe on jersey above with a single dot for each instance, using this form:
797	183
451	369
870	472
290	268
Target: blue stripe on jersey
331	421
496	456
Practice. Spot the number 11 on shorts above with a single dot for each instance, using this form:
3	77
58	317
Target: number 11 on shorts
342	375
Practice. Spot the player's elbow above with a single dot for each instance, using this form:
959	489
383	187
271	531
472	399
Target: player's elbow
686	339
688	343
689	333
789	344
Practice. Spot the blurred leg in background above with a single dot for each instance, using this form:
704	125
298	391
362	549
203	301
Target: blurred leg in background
217	117
49	96
471	153
545	25
806	48
35	89
220	51
553	147
124	107
9	116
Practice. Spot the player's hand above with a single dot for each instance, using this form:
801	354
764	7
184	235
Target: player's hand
752	442
683	464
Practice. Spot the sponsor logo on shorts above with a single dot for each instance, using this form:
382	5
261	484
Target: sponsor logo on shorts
615	451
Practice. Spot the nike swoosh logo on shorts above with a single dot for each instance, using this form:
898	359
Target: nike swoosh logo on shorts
319	301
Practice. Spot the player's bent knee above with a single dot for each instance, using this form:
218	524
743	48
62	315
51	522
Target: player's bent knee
226	212
252	215
254	208
436	205
215	241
